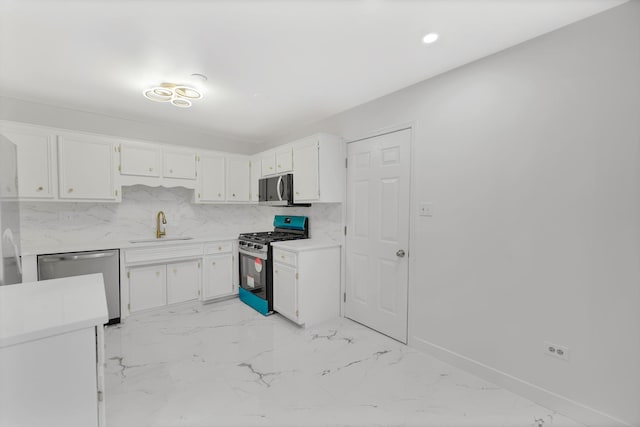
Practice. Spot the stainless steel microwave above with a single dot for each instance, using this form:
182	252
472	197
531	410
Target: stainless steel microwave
277	191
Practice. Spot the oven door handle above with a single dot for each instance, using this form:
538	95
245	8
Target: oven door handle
280	191
253	254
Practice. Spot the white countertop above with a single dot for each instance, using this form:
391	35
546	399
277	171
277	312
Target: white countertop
115	244
306	244
35	310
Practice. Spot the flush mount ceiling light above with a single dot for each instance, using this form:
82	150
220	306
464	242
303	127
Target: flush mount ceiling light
430	38
178	95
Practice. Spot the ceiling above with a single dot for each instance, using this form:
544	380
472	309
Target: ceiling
271	65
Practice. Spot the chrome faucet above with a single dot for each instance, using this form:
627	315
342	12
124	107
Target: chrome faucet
161	217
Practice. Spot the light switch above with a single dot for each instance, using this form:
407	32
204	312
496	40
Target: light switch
426	209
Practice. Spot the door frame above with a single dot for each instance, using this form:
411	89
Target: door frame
411	125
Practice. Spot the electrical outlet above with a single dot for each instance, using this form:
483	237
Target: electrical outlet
554	350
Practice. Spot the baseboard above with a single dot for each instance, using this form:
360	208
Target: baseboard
561	404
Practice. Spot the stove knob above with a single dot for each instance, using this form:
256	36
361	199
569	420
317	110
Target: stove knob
249	245
257	246
242	243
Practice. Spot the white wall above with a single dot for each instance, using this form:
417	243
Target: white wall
45	224
59	117
532	159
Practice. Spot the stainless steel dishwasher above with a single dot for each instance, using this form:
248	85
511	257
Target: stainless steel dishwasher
107	262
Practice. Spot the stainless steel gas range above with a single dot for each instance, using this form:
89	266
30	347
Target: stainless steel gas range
256	260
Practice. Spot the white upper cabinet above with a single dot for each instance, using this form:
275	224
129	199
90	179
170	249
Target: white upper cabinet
284	159
319	169
179	164
86	168
255	172
157	165
268	163
238	175
36	162
140	159
277	161
211	178
306	179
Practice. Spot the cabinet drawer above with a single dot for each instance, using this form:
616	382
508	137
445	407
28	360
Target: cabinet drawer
164	253
218	248
285	257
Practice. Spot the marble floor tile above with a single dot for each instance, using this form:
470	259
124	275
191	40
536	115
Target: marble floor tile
223	364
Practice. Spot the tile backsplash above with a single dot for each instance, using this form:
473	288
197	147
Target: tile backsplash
47	223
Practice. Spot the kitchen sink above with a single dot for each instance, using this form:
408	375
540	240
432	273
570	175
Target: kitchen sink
164	239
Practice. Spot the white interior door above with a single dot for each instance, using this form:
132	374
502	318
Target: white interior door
378	178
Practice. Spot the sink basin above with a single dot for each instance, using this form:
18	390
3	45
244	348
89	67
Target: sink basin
164	239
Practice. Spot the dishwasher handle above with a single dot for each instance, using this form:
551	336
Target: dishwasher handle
55	258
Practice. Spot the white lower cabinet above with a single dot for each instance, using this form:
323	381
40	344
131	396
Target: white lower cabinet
218	276
158	285
54	381
285	295
158	275
306	280
147	287
183	281
220	270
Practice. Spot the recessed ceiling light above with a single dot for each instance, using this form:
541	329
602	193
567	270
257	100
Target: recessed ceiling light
430	38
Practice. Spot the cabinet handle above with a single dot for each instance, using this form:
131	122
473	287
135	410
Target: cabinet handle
297	192
150	169
279	166
39	188
213	263
282	256
70	190
219	194
234	194
174	271
170	170
271	167
276	271
219	248
157	274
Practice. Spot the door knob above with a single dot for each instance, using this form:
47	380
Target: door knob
400	253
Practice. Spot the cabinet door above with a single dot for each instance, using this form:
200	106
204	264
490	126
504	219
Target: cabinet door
179	165
256	174
285	293
237	179
218	276
306	171
147	287
36	152
183	281
268	163
284	159
211	174
140	160
86	168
